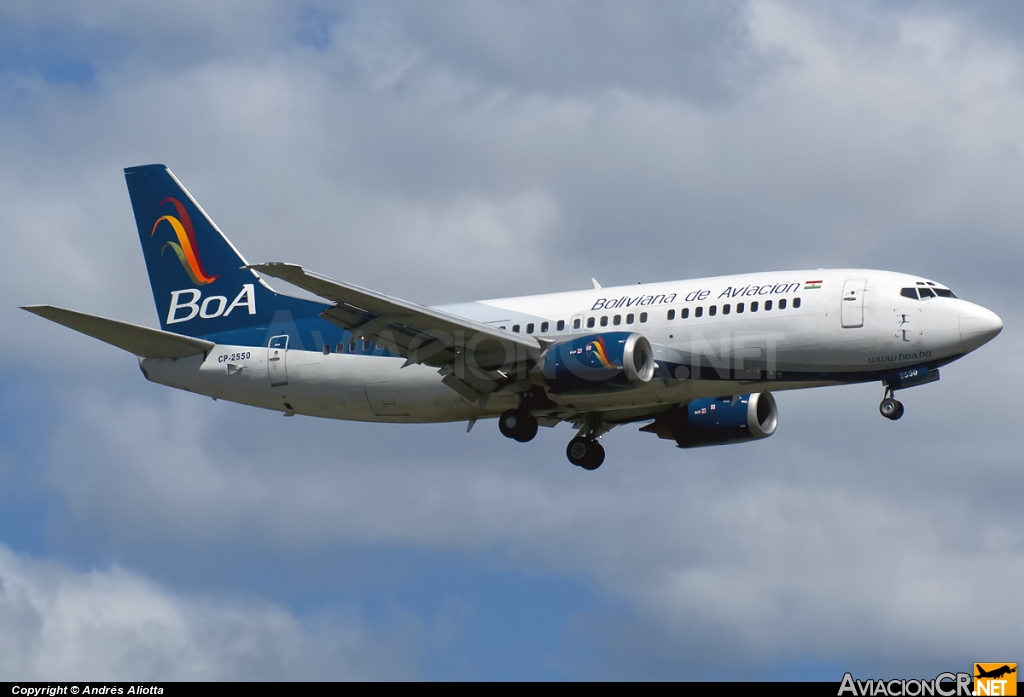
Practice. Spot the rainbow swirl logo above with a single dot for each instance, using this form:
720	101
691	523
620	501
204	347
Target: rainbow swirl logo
598	347
185	247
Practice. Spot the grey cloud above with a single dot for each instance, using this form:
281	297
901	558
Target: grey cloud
444	159
689	50
801	170
843	536
61	624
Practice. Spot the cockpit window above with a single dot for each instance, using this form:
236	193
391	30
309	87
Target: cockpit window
929	291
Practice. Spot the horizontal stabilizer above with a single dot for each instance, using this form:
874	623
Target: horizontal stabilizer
142	341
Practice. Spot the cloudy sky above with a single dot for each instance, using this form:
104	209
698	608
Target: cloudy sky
449	151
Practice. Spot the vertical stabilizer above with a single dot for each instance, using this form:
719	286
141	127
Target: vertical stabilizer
199	285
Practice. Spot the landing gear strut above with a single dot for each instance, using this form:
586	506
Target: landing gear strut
890	407
518	424
585	452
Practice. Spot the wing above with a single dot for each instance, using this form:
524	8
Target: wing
142	341
474	359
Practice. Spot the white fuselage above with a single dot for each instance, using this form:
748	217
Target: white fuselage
850	326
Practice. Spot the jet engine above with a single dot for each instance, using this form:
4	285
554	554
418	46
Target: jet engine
718	420
598	363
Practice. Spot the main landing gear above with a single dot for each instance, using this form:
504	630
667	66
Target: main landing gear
585	452
890	408
518	424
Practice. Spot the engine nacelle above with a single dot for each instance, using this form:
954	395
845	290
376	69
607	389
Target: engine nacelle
599	363
718	420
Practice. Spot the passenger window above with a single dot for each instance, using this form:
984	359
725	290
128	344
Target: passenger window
327	349
726	309
926	293
782	304
713	310
590	322
366	346
753	306
561	325
340	348
617	320
739	308
909	293
544	327
796	303
767	305
629	318
604	321
515	328
684	313
699	312
529	328
643	317
352	346
671	314
576	324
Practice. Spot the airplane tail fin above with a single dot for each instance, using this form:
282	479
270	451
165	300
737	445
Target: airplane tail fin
199	285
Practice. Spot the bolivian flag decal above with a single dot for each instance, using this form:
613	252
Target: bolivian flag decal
812	285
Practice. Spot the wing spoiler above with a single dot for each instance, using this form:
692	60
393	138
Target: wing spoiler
142	341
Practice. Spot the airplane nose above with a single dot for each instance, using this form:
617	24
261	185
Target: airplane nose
978	325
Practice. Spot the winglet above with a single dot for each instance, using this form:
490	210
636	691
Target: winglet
597	286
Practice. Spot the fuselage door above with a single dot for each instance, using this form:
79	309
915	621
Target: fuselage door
852	312
277	360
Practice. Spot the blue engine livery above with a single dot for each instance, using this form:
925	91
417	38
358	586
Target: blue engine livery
692	361
718	421
599	362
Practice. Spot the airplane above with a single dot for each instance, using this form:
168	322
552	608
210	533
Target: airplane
693	361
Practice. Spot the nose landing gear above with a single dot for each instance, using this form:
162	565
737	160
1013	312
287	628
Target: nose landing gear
890	408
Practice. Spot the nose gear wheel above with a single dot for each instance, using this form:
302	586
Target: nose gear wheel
890	408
